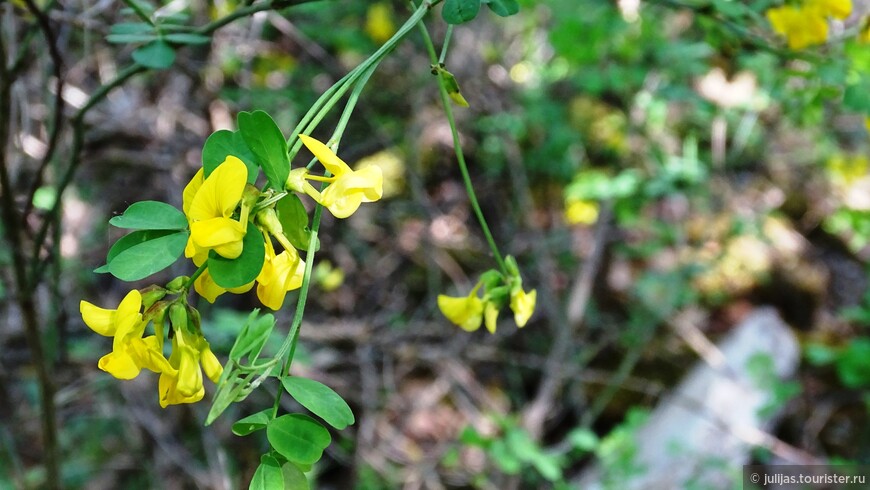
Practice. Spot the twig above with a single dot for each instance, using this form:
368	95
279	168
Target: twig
24	297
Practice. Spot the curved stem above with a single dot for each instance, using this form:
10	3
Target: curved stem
460	158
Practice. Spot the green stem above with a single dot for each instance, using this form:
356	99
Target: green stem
460	157
195	276
330	98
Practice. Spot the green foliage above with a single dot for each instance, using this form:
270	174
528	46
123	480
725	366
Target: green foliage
851	361
763	373
265	140
150	215
320	399
298	437
142	253
294	220
253	422
224	143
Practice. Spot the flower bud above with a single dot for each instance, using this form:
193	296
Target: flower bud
151	295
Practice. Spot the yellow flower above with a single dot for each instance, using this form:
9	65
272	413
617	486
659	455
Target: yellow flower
523	305
348	188
280	274
839	9
209	205
379	22
581	211
130	352
184	384
801	27
465	311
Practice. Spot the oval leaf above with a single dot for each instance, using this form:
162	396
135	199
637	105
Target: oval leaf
223	143
144	252
156	54
233	273
298	437
459	11
266	141
504	8
321	400
150	215
268	475
252	423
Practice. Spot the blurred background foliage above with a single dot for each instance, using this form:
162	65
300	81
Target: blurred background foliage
652	157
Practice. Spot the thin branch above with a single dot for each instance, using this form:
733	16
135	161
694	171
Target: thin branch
57	120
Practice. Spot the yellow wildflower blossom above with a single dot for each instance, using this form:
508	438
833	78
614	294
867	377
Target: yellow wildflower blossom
839	9
347	188
800	27
130	352
280	274
523	305
379	22
464	311
184	384
209	205
581	211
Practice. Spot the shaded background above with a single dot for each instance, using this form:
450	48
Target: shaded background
641	160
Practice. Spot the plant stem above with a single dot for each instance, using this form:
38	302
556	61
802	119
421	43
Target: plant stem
460	157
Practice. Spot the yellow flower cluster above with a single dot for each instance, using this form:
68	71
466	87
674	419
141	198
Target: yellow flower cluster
807	24
210	204
469	312
181	374
221	211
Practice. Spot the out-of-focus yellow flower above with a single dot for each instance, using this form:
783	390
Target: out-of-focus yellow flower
379	22
130	352
347	188
839	9
327	276
581	211
280	274
801	27
209	205
523	305
464	311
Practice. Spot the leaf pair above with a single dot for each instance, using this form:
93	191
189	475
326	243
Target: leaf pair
158	240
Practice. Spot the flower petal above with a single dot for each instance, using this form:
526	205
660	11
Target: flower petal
327	157
221	192
99	320
224	235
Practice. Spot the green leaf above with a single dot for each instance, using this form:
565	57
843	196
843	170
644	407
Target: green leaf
233	273
298	437
144	252
186	38
266	141
253	336
252	423
294	478
459	11
294	221
855	96
321	400
268	475
503	8
156	55
150	215
223	143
